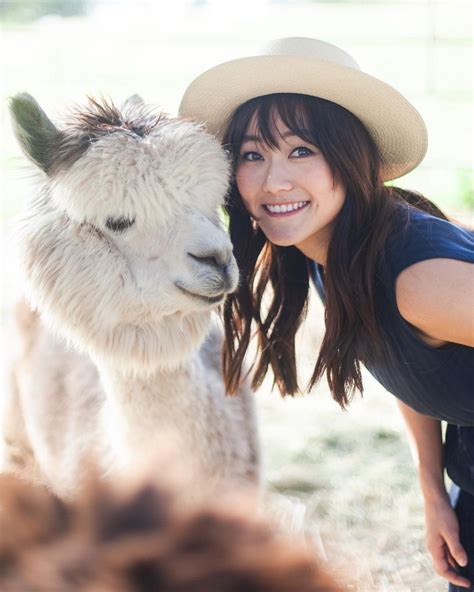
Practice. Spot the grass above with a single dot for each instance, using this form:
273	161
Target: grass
352	472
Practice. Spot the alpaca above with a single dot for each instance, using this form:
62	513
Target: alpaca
125	262
142	539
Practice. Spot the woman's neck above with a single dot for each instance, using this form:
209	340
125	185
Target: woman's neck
315	247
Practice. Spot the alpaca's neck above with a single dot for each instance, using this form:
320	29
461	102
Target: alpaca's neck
148	394
143	408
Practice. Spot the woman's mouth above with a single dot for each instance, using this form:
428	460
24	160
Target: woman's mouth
279	210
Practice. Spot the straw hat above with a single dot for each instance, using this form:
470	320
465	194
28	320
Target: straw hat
311	67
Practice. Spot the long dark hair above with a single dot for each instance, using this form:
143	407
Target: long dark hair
359	234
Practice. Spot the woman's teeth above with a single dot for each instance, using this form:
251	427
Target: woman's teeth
284	208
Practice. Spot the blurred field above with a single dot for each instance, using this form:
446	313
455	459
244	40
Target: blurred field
155	48
351	469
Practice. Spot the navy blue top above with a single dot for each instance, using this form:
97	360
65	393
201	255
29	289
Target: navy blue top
438	382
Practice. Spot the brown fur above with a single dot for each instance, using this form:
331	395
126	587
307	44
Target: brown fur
144	541
97	120
100	119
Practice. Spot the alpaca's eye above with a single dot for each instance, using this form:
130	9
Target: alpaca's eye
118	224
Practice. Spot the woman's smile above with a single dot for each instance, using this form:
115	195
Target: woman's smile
284	210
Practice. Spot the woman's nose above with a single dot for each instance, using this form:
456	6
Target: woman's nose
277	179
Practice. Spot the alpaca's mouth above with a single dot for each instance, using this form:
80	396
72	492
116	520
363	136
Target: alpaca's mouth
206	299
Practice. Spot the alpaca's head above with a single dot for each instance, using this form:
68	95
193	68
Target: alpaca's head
123	251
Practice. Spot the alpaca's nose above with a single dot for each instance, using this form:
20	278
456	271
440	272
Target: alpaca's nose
218	258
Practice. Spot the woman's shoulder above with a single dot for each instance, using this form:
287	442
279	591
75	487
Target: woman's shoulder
417	236
435	297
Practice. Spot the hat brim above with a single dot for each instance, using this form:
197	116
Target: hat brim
395	125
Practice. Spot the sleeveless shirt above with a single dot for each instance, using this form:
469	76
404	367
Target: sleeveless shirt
438	382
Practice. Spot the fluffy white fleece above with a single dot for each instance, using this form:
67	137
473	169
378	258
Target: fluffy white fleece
122	349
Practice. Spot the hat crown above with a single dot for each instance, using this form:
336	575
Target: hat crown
305	47
312	67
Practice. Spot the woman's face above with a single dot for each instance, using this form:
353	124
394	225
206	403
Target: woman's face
290	190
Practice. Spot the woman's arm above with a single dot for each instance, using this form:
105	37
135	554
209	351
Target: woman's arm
436	297
442	529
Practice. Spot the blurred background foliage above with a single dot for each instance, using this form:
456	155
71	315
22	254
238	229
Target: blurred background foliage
62	50
30	10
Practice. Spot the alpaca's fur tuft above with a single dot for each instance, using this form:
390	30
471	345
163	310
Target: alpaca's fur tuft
125	258
143	540
88	124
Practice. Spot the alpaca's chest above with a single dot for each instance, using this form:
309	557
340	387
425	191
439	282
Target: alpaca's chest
66	413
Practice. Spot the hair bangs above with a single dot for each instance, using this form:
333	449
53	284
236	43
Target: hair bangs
262	116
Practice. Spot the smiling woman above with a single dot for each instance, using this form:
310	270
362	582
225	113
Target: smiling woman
313	141
280	177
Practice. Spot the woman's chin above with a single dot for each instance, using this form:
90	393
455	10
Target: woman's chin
283	240
283	243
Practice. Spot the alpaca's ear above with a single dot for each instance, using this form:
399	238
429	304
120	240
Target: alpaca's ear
133	101
36	134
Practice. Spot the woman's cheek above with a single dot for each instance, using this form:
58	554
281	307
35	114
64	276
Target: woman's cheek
246	187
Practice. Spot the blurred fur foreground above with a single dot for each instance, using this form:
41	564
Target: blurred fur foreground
144	539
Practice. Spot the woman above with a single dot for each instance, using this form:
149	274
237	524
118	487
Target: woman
313	139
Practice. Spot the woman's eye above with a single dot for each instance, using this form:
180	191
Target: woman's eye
250	156
301	152
118	224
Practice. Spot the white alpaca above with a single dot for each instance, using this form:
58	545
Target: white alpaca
125	258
